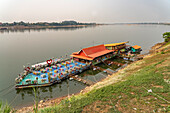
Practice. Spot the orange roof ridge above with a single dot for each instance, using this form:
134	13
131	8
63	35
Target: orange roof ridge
115	44
136	47
91	52
94	49
82	57
99	53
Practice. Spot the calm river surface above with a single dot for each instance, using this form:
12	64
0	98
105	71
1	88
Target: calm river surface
22	47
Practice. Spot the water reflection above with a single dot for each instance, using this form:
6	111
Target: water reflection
40	91
44	93
45	29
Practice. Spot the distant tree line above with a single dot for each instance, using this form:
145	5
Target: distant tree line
63	23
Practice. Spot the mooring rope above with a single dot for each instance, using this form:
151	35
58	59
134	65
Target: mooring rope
68	90
103	75
107	65
6	88
13	99
94	78
8	91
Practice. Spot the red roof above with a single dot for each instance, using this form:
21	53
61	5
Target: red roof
136	47
99	53
91	52
82	57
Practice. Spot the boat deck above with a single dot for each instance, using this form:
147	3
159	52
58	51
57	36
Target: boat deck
53	73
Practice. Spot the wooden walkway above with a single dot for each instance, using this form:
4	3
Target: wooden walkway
80	79
107	71
115	63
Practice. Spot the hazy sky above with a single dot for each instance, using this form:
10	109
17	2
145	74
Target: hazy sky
107	11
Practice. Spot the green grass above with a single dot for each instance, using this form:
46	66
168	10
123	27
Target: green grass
4	107
167	43
127	96
36	100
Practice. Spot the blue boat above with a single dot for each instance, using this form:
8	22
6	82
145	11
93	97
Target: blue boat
44	75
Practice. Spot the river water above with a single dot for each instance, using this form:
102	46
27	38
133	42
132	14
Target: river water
17	48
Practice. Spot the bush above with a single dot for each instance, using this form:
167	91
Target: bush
162	52
166	40
166	36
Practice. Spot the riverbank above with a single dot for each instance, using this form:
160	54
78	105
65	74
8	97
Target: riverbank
43	27
140	87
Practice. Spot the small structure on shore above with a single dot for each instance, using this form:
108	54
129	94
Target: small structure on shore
136	49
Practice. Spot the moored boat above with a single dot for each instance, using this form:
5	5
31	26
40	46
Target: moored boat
49	75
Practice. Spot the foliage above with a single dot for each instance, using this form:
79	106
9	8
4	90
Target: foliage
4	108
162	52
36	100
166	36
63	23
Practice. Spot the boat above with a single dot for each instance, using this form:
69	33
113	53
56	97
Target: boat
42	74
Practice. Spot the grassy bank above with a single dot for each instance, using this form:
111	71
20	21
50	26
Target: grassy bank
4	107
143	86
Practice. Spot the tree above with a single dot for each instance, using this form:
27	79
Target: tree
166	36
69	23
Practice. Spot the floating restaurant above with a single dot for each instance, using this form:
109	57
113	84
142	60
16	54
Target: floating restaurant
54	71
93	54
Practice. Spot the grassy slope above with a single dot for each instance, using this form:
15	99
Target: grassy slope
130	94
4	107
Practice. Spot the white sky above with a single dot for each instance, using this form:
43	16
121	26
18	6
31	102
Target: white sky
100	11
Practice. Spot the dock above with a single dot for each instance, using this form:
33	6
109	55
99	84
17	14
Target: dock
109	71
80	79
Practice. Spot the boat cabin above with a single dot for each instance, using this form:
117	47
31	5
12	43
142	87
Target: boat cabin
136	49
117	46
93	54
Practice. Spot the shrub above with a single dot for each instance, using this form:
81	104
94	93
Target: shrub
166	36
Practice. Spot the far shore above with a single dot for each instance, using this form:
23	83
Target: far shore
22	27
19	27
